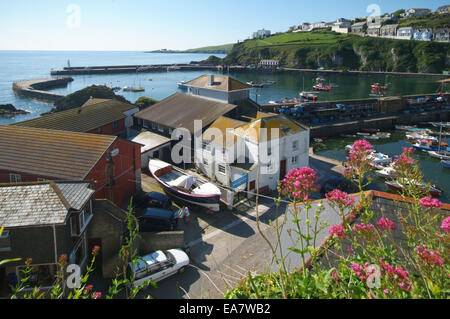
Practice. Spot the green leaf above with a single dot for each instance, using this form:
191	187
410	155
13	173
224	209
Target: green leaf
2	262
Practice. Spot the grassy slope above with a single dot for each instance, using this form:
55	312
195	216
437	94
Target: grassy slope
339	51
226	48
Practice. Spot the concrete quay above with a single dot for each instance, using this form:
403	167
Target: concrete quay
37	88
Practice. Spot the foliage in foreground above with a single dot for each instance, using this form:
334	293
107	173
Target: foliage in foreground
364	257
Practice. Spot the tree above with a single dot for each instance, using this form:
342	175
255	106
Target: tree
144	102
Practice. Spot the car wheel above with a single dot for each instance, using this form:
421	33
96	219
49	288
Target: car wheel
182	270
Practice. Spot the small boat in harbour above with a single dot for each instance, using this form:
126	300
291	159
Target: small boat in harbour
442	155
433	189
446	164
424	145
386	173
185	187
182	85
321	87
379	160
378	87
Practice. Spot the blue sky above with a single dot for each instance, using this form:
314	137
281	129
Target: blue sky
171	24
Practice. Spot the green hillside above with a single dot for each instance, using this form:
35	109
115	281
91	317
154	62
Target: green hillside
218	49
311	50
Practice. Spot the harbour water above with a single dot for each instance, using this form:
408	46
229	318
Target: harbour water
26	65
432	169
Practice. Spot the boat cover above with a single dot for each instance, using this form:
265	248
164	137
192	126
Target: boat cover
206	189
184	181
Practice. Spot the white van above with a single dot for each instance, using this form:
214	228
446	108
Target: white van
159	265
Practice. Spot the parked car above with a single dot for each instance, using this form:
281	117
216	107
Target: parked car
157	219
158	266
154	199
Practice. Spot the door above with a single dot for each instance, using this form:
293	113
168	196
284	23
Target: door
282	169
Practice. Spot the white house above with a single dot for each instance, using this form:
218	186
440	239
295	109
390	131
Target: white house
271	144
269	64
417	12
306	27
405	33
261	34
423	35
152	146
441	35
443	9
318	25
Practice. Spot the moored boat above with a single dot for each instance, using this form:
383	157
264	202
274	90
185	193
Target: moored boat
433	189
446	164
442	155
378	87
386	172
182	85
185	187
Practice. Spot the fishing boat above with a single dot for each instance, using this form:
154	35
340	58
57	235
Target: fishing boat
442	155
379	160
138	89
185	187
421	136
446	164
386	172
308	95
255	85
433	189
378	87
182	85
405	127
321	87
320	80
370	130
424	145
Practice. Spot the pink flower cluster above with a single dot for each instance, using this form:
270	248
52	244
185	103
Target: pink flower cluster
359	270
358	162
429	202
337	231
430	257
405	159
397	275
446	225
342	199
386	224
367	231
299	183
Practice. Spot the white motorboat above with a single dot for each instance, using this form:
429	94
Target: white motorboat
386	172
442	155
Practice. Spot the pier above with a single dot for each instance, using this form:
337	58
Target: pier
37	88
115	69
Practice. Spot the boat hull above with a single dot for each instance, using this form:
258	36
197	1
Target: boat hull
211	202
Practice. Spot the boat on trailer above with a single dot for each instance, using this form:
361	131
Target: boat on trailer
184	186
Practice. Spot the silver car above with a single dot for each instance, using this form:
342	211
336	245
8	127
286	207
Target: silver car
159	265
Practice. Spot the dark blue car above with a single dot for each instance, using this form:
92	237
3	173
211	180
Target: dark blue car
157	219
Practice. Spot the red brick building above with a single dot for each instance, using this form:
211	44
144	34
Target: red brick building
97	116
31	154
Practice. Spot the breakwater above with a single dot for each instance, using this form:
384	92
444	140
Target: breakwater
115	69
36	89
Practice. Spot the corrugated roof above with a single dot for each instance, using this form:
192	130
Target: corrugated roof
149	140
93	114
49	153
221	82
181	110
42	203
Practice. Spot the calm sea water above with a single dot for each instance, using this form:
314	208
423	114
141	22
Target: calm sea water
25	65
431	167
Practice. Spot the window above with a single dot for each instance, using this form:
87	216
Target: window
160	128
294	159
205	162
15	178
74	225
269	151
295	145
115	124
99	130
221	169
42	179
85	216
5	241
153	125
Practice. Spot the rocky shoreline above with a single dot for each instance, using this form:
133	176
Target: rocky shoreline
7	110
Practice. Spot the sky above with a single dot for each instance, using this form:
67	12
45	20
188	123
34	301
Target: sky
139	25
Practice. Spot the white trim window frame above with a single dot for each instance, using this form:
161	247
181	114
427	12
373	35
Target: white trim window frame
15	178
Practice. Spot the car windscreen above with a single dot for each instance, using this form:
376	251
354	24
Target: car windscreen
170	257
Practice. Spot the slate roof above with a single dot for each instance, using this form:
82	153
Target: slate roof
93	114
41	203
221	82
181	110
51	154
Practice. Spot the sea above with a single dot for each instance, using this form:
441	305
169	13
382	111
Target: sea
26	65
